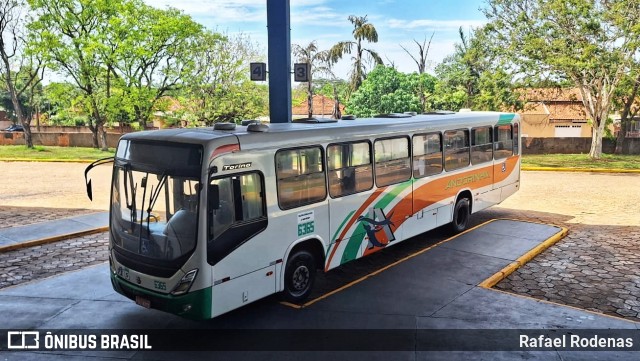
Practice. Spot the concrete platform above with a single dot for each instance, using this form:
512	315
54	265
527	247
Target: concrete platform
50	231
437	289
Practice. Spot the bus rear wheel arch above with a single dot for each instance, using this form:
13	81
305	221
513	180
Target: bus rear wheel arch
461	213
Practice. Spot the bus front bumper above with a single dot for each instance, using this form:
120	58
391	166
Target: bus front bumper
195	305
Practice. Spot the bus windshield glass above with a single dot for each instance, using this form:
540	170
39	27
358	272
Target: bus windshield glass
154	205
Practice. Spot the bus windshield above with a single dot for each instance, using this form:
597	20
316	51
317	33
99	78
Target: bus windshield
154	210
154	215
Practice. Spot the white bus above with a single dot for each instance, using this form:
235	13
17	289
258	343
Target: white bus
203	221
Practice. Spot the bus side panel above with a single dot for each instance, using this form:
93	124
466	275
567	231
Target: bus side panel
507	176
243	290
425	217
248	272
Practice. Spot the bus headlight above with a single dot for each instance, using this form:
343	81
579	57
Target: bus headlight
185	283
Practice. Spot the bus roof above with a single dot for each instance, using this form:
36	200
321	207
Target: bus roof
282	135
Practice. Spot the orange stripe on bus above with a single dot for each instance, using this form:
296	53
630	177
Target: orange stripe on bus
431	193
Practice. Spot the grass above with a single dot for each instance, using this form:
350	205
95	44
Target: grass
51	154
577	161
582	161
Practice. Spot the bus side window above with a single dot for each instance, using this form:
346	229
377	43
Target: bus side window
350	168
301	176
393	164
241	199
427	154
481	145
456	154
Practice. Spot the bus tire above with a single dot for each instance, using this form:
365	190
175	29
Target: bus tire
461	213
299	276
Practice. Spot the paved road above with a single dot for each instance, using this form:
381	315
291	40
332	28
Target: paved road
595	267
53	185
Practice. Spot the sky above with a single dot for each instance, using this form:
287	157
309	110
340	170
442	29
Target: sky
398	22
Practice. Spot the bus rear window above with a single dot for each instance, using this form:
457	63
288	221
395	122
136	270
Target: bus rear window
504	142
301	177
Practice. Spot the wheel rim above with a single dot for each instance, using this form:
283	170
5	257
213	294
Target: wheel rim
300	279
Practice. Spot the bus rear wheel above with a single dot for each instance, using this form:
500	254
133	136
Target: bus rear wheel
461	214
299	276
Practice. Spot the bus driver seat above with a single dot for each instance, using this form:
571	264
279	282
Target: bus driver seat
181	233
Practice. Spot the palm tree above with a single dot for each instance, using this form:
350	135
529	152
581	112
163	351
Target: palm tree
317	60
362	30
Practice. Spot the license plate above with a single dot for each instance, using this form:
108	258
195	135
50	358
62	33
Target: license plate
143	302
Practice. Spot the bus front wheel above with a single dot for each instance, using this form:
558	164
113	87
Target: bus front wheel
460	215
299	276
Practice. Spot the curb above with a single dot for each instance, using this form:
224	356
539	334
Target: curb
585	170
31	160
522	260
41	241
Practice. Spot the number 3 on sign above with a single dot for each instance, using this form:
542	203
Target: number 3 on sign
301	72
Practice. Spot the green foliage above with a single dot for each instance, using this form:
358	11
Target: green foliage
219	89
475	77
122	55
325	87
387	90
362	31
591	42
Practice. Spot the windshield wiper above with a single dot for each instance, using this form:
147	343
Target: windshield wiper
131	205
154	197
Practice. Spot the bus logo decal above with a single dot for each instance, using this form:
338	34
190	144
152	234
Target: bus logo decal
236	166
376	222
454	183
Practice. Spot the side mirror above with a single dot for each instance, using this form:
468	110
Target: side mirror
90	167
89	190
214	197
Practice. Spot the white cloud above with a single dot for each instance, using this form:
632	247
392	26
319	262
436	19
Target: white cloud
438	25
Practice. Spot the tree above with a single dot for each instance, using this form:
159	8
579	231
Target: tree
15	55
219	89
317	61
626	100
421	62
386	90
591	42
475	76
152	52
64	104
72	37
122	54
423	52
362	31
335	88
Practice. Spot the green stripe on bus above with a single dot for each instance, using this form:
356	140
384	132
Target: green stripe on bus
506	118
352	248
335	235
